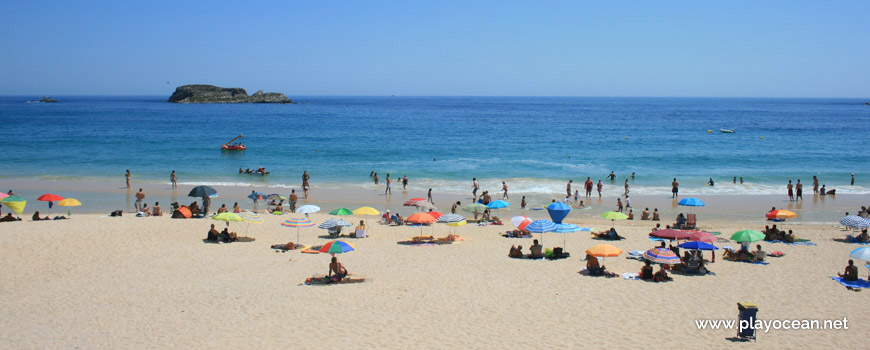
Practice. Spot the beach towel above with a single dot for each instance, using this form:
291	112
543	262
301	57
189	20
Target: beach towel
635	254
631	276
323	281
852	284
754	262
796	242
854	240
776	254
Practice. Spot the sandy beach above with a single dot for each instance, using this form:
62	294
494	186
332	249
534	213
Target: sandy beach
100	282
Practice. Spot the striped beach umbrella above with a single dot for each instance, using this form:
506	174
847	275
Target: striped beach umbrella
337	247
661	256
566	229
3	195
541	226
250	217
297	223
328	224
15	203
854	221
448	218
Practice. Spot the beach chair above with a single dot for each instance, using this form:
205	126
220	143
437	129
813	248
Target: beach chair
692	266
690	222
360	233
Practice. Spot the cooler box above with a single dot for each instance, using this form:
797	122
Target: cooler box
746	312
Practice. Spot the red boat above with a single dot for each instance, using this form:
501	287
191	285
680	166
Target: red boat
233	147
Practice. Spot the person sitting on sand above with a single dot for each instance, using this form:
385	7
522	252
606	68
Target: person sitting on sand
516	252
236	208
337	271
681	221
9	217
592	266
655	214
212	234
155	210
788	237
863	237
851	272
399	220
227	236
610	235
280	207
37	218
630	214
537	250
644	215
485	217
646	272
144	211
661	275
222	209
658	227
194	209
822	191
759	254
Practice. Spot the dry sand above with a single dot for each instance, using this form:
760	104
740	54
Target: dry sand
98	282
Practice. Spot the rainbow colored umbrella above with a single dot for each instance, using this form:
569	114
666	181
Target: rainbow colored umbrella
337	247
297	223
341	212
15	203
3	195
661	256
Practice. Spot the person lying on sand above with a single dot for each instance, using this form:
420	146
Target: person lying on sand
518	233
37	218
609	235
337	269
851	272
285	246
9	217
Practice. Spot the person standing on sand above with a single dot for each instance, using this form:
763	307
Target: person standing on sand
376	178
475	186
305	185
523	203
429	197
453	208
588	187
815	185
173	180
293	199
675	188
800	190
139	197
618	204
505	189
127	176
600	186
790	192
388	183
568	188
404	182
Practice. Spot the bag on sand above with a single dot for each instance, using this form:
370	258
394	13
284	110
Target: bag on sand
117	213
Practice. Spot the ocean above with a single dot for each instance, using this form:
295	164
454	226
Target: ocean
535	144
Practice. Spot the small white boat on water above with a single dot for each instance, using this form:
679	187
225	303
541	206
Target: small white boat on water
727	131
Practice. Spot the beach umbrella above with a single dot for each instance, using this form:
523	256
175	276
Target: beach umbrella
15	203
424	205
228	217
698	245
661	256
498	204
614	215
854	221
781	214
250	217
201	191
604	251
366	211
670	234
435	214
541	226
410	202
449	218
747	236
69	202
558	211
333	223
691	202
862	253
275	197
3	195
297	223
307	209
701	236
341	212
48	197
520	222
256	195
475	208
337	247
566	229
421	218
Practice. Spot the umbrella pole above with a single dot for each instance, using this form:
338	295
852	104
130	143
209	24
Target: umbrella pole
297	234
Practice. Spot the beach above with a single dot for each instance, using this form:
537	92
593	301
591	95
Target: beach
100	282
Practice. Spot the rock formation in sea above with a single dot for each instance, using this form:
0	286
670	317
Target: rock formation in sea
199	93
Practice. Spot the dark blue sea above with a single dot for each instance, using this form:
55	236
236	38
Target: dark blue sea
535	144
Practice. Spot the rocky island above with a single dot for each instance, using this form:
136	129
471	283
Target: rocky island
199	93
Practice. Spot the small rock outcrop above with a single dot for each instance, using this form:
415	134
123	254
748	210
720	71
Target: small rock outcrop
199	93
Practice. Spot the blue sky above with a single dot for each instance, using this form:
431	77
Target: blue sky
474	48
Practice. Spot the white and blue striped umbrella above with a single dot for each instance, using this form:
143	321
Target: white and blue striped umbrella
854	221
333	223
541	226
862	253
566	228
448	218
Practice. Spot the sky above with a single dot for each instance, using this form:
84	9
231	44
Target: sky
453	48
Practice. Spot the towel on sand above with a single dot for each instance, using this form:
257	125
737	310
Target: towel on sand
796	242
852	284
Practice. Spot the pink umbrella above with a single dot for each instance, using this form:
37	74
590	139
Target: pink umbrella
701	236
670	234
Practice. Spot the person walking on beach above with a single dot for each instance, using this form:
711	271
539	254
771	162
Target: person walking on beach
576	196
505	189
568	188
523	203
376	178
475	186
790	192
600	186
293	199
305	185
173	180
815	185
388	183
429	197
404	182
588	187
127	176
626	188
799	188
618	204
675	188
139	197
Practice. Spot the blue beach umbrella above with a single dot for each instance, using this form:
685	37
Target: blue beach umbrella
698	245
498	204
691	202
558	211
566	229
541	226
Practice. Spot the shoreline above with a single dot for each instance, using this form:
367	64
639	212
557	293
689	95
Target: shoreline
101	198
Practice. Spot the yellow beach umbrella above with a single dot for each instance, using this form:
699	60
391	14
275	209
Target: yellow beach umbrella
69	202
366	211
15	203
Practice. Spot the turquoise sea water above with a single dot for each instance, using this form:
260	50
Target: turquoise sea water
534	143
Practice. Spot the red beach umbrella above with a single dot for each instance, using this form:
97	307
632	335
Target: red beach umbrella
702	236
434	214
48	197
412	201
670	234
421	218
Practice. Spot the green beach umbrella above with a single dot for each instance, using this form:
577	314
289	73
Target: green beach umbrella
228	217
614	215
475	207
15	203
747	236
341	212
